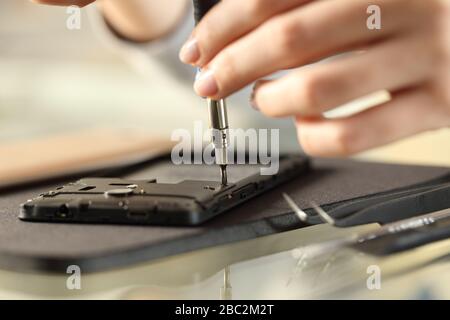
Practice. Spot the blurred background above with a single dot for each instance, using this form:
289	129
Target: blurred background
54	80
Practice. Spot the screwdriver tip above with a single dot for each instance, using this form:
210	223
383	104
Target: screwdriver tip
223	173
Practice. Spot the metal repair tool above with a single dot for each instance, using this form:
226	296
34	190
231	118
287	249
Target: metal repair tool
299	212
432	227
217	109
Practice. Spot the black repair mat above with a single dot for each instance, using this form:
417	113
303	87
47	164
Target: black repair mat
52	247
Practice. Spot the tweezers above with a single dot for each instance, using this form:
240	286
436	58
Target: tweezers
390	207
397	235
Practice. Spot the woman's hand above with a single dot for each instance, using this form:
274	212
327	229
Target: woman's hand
136	20
239	42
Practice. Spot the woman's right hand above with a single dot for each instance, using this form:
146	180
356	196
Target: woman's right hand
135	20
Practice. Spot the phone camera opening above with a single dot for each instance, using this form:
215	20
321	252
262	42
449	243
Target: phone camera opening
63	211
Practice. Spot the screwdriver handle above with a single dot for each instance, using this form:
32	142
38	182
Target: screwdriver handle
201	8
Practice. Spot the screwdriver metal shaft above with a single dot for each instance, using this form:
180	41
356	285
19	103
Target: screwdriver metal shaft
223	173
217	109
219	133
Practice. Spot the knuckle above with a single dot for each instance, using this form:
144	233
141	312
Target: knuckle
265	105
257	8
437	40
310	91
437	8
307	144
427	12
344	139
204	32
287	37
444	31
268	109
341	142
225	68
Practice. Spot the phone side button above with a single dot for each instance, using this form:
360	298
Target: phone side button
245	191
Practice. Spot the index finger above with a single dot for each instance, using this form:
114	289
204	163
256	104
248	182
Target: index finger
228	21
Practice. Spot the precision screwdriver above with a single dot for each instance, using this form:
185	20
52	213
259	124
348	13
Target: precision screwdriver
217	109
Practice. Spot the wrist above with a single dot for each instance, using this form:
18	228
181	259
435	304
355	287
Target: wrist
142	20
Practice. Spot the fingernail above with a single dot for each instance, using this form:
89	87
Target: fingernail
252	99
206	85
189	53
253	94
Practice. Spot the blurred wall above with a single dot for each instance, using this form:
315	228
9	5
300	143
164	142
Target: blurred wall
54	79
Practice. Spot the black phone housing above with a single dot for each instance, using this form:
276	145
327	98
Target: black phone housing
123	201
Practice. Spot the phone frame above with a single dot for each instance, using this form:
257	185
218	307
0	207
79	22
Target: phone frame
147	202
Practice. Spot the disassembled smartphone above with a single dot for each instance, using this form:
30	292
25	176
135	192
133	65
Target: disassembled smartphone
122	201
